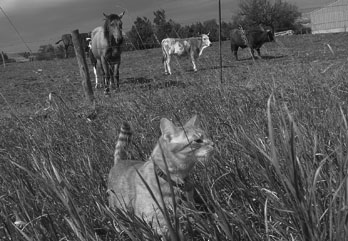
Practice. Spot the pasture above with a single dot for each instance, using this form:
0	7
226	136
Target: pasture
279	171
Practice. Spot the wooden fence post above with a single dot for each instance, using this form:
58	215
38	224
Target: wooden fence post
220	54
81	60
3	59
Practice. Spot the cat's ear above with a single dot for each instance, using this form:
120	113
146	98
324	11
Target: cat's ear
121	14
192	122
168	129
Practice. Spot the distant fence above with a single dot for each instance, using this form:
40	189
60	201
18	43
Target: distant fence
284	33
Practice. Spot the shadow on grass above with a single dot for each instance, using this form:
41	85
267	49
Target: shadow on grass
153	83
264	57
217	67
138	80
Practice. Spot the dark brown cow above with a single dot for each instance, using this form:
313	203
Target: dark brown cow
252	38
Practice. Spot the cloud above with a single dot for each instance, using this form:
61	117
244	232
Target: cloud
15	6
44	21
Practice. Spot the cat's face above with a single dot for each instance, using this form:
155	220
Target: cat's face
187	142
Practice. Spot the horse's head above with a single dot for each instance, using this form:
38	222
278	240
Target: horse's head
113	26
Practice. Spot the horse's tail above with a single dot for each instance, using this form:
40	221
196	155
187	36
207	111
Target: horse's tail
59	41
124	139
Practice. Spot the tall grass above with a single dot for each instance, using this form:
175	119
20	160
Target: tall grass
279	171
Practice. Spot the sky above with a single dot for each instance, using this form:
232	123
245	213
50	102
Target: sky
41	22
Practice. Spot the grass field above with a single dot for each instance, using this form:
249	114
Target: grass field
279	171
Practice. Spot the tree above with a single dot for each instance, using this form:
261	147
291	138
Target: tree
196	29
225	30
163	28
211	27
160	17
144	34
285	15
141	34
46	52
24	54
279	15
174	29
184	31
60	52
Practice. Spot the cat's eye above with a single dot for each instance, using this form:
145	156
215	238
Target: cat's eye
199	141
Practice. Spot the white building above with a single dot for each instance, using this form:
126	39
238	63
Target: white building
331	19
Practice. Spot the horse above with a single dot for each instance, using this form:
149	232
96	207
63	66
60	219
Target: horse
106	49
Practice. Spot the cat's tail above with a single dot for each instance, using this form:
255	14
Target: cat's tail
124	139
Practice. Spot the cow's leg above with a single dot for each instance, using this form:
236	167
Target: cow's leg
168	64
235	51
106	70
164	60
252	53
259	53
66	51
193	63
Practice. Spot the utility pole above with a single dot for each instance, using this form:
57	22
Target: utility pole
220	52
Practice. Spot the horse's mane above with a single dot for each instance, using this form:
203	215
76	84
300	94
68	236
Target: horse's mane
106	27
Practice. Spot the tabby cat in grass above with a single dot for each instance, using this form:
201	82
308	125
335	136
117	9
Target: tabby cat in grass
180	147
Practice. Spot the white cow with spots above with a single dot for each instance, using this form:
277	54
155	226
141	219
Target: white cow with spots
183	47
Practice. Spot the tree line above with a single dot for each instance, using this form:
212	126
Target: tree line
146	34
278	15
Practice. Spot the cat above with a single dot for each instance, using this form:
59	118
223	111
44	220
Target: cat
178	146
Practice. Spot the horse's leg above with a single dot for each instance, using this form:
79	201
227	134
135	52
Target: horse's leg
95	76
106	69
112	79
99	73
103	74
117	75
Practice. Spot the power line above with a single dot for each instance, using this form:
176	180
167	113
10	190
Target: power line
14	27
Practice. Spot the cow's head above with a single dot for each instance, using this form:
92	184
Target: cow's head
89	44
205	40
